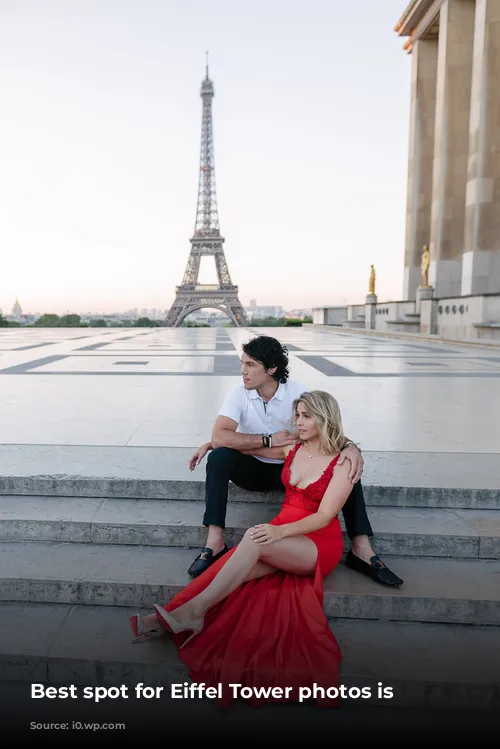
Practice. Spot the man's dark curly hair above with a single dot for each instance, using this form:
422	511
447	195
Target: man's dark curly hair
271	353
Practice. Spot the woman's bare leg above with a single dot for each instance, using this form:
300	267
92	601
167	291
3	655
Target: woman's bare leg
261	569
297	555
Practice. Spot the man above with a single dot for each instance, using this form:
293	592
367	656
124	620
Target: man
254	415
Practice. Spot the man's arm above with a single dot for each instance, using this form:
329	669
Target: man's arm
277	453
224	434
352	453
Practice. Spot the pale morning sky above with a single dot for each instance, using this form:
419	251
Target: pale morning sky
99	149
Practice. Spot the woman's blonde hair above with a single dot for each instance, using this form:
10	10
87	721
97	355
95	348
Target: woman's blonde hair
326	413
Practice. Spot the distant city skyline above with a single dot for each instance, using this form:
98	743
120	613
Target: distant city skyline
100	143
274	310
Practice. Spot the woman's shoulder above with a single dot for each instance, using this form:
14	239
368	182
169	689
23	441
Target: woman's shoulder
340	471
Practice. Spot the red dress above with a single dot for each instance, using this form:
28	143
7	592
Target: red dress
271	632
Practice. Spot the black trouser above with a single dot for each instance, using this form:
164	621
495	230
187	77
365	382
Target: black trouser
225	464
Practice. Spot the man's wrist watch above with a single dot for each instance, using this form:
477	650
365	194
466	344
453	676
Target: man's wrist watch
266	440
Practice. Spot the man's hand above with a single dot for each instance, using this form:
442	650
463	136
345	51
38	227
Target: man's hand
266	534
280	439
353	455
198	456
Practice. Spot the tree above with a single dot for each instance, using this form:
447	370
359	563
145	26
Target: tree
48	320
3	322
94	323
70	321
146	322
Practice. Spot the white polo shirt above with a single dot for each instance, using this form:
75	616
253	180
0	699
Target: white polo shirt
253	416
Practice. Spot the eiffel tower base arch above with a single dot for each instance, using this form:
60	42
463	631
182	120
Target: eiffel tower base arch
190	301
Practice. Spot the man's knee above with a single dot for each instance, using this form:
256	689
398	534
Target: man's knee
221	457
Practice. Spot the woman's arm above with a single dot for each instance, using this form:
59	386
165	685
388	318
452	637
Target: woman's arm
333	500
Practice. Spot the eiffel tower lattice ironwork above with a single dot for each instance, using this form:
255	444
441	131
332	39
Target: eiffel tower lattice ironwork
207	240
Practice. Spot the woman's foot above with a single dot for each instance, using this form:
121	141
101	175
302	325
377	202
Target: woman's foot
151	621
180	622
145	628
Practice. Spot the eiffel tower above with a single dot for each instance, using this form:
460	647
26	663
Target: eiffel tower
207	240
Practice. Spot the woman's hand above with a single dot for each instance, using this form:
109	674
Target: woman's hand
198	456
266	534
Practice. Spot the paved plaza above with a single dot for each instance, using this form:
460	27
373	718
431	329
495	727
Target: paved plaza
88	402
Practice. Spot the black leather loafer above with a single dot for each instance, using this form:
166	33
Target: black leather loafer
204	560
376	570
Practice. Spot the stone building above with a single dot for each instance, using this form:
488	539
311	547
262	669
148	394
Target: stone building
17	312
453	202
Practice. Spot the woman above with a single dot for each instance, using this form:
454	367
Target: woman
255	617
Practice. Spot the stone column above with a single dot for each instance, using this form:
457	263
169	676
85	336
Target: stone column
418	207
370	307
428	316
423	293
481	260
451	145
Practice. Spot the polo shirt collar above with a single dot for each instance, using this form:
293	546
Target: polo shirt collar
279	394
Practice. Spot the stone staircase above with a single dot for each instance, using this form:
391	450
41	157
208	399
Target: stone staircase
79	555
409	323
355	322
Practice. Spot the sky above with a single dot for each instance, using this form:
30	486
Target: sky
100	140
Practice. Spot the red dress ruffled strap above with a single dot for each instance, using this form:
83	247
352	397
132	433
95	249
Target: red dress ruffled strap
285	473
321	484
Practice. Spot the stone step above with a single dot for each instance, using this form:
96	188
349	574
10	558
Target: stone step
375	495
403	479
450	591
427	665
398	531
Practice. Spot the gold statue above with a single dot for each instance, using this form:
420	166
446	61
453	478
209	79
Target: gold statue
424	266
371	284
